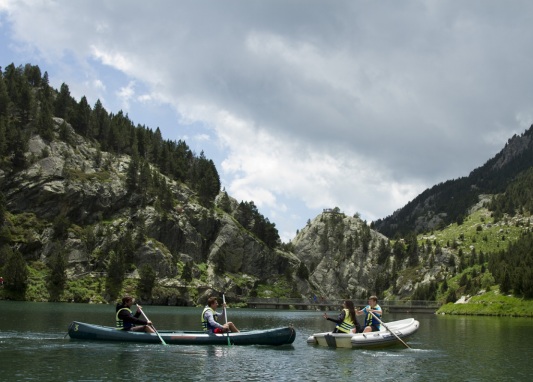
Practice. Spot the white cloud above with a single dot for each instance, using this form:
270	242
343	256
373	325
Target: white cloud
355	104
125	94
116	60
202	137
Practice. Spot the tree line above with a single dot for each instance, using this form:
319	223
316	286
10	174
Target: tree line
452	199
28	105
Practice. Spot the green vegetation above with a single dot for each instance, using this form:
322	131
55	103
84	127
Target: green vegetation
491	304
450	202
249	217
29	103
480	251
479	231
280	288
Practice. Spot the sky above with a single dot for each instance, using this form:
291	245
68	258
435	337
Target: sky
302	104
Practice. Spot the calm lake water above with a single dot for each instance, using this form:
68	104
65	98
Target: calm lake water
33	347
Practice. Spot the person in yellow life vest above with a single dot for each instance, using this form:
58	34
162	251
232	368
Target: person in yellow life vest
126	320
210	318
372	323
346	321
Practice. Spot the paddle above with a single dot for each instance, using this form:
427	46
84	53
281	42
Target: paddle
386	327
225	315
152	325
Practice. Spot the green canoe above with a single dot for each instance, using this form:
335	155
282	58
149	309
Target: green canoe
277	336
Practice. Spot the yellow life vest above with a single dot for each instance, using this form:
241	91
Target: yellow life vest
120	323
205	324
347	325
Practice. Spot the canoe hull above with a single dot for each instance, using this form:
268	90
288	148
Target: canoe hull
402	328
279	336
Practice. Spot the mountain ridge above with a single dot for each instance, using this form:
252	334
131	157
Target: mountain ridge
93	206
449	201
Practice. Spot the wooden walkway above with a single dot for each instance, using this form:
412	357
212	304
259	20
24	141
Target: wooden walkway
417	306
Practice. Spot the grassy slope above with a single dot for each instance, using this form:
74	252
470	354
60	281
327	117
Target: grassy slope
491	304
490	238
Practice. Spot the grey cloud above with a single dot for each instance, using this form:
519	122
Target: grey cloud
414	86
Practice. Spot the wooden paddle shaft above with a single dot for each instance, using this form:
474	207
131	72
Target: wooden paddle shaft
394	334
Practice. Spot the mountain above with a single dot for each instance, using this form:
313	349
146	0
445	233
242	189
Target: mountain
450	201
342	255
74	200
93	206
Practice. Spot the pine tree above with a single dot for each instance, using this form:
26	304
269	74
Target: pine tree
82	118
16	275
186	274
115	274
57	278
146	281
45	124
63	102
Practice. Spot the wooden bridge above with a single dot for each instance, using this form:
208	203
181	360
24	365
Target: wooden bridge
411	306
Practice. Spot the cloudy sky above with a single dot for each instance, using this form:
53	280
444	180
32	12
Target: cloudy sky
303	105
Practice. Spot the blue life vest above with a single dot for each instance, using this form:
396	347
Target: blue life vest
369	319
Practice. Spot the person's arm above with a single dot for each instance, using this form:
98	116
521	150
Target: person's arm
339	319
125	316
377	312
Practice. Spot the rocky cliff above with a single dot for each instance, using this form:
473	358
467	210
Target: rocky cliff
341	254
71	197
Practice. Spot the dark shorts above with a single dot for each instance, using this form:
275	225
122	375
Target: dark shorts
374	328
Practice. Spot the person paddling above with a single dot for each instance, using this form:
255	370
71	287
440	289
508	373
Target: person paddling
126	320
346	321
372	323
210	318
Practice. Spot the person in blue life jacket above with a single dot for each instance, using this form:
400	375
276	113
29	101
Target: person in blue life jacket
126	320
210	318
346	321
372	323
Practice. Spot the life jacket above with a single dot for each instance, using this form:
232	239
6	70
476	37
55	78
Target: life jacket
347	325
369	319
121	325
205	323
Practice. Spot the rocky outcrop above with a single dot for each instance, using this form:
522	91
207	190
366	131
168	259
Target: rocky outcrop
340	253
73	198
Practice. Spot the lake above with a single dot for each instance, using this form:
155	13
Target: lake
33	347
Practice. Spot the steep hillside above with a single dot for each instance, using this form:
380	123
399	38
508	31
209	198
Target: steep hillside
450	201
92	206
343	255
73	200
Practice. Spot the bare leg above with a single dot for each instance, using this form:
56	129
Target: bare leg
143	328
232	327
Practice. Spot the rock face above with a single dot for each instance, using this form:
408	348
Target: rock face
73	198
340	253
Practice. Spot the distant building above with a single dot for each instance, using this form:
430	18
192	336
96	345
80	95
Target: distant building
335	210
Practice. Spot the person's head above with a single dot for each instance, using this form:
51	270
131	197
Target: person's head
212	301
348	304
127	301
373	300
